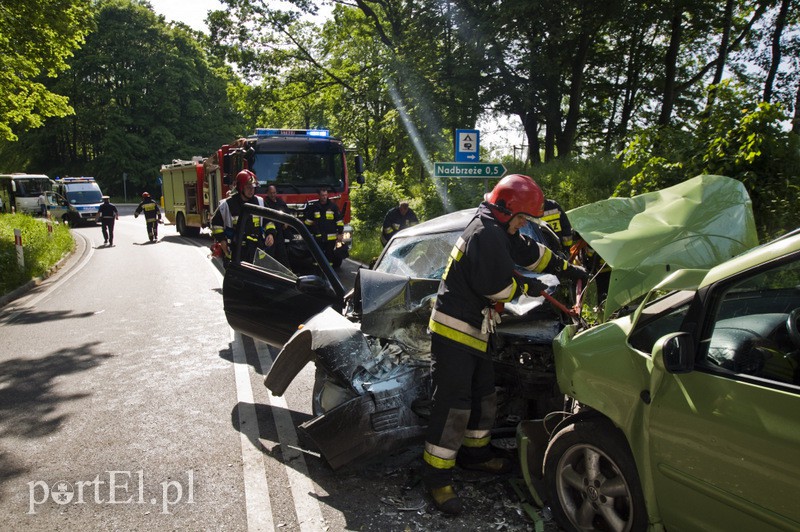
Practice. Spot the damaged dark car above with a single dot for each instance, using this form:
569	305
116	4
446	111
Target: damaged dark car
371	347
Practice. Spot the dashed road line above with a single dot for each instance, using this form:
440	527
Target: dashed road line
309	513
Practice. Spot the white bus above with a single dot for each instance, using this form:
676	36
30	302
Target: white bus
22	191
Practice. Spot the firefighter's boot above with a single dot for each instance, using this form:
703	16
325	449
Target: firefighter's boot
446	500
482	459
439	484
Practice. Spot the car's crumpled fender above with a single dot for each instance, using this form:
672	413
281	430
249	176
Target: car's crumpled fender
328	339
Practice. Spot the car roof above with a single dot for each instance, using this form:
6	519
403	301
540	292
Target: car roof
442	224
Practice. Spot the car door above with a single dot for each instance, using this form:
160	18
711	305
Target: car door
265	299
725	437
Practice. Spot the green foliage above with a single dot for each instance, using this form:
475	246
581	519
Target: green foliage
735	136
41	252
135	111
36	39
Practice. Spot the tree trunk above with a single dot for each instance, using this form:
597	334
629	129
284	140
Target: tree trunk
670	64
780	23
566	140
722	56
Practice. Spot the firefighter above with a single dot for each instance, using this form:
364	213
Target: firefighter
223	223
325	222
107	214
152	215
557	219
278	251
397	218
479	274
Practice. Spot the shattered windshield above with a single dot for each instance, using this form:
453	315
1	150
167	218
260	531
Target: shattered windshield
420	257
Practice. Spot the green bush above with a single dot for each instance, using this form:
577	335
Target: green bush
40	251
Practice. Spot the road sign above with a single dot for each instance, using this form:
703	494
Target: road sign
468	145
469	170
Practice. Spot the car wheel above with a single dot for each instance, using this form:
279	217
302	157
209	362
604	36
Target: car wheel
67	221
591	480
180	224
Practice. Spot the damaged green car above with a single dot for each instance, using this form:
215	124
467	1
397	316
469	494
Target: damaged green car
684	414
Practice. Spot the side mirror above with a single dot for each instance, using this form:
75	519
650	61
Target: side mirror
677	352
359	170
312	284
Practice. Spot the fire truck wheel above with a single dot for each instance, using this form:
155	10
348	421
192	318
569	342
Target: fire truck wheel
180	224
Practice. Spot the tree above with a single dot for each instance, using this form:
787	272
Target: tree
136	111
37	37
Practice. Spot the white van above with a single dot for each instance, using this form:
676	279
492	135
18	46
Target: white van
83	193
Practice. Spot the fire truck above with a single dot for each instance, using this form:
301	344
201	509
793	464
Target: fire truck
297	161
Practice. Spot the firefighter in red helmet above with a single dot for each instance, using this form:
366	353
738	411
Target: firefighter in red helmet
152	215
258	232
479	274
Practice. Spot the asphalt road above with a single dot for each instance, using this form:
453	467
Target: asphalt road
127	403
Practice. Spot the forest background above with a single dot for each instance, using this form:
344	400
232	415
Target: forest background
613	98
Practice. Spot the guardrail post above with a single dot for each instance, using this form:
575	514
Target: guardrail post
20	251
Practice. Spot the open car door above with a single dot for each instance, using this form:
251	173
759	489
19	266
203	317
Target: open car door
264	299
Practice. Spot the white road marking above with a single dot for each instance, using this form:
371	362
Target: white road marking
256	491
309	514
307	508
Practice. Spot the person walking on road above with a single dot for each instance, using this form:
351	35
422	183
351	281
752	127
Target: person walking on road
152	215
480	274
396	219
107	214
257	230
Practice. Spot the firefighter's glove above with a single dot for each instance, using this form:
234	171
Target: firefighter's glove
575	273
490	319
533	287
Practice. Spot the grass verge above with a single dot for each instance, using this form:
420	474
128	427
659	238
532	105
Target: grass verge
41	252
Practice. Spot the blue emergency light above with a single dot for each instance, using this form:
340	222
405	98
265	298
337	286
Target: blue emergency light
267	132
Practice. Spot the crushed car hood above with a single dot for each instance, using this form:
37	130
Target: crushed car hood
696	224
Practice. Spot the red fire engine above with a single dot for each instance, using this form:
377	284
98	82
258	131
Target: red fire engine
297	161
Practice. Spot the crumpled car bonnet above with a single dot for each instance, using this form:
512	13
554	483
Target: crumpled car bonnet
696	224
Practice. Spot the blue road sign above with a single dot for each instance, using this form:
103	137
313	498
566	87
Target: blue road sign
468	145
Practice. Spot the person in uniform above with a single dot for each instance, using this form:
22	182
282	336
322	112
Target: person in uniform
257	230
397	218
278	250
557	219
107	214
152	215
479	274
325	222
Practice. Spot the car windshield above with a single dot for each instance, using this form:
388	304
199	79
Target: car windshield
420	257
83	197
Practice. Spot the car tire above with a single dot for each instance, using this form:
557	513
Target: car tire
66	220
606	495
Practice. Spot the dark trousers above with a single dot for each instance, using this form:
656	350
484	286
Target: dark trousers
108	229
152	229
464	399
278	249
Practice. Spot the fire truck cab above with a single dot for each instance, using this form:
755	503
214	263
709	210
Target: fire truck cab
297	161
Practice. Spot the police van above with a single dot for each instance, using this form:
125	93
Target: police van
83	193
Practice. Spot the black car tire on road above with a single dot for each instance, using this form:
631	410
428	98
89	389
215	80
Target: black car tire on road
591	480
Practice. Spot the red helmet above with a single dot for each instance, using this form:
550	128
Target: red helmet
145	194
515	194
243	178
